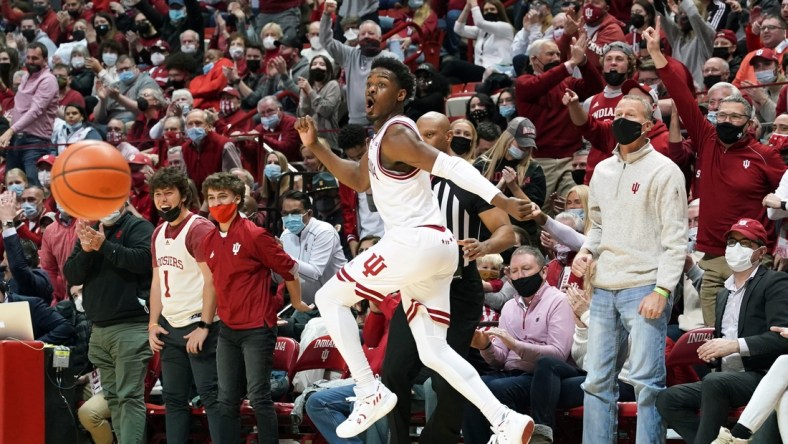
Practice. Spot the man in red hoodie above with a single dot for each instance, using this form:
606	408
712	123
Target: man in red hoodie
602	28
730	162
207	88
538	97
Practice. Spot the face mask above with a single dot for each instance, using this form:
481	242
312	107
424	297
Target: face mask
32	69
269	43
507	110
185	108
114	137
270	122
693	238
188	49
173	138
177	14
613	78
196	134
739	258
730	133
142	104
460	145
62	82
637	21
40	10
253	65
294	223
415	4
579	212
314	42
479	115
626	131
529	285
558	33
102	30
685	25
273	171
317	74
78	35
711	116
227	107
17	188
561	253
127	77
778	141
579	176
30	209
223	213
487	275
370	47
516	153
592	13
709	81
78	62
207	68
170	215
143	28
110	220
137	179
236	52
351	34
326	205
765	76
74	13
29	35
109	59
721	52
550	66
157	58
491	16
45	177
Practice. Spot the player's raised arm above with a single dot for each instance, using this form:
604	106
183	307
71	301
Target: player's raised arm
408	149
351	173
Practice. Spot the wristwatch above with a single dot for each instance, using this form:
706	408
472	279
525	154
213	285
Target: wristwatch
203	324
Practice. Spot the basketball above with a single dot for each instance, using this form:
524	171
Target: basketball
90	179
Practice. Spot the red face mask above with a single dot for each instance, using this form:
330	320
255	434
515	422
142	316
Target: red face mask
778	141
223	213
114	137
173	138
592	13
227	107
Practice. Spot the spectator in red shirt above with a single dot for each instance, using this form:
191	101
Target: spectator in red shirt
73	10
9	65
205	151
65	94
207	88
278	129
150	105
159	51
56	244
242	258
43	10
139	196
601	27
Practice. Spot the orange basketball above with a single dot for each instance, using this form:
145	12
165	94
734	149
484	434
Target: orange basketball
90	179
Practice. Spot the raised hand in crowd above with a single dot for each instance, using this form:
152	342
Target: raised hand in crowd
304	85
8	207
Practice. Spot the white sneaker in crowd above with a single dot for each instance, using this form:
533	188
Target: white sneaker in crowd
367	410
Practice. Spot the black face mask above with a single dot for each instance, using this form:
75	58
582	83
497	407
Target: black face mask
613	78
32	69
326	205
170	215
721	52
460	145
317	75
550	66
479	115
491	16
5	68
143	28
29	35
253	65
709	81
730	133
40	10
176	84
74	13
626	131
637	21
579	176
529	285
102	30
370	47
78	35
685	25
142	104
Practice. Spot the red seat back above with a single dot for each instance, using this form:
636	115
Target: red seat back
285	354
321	354
685	352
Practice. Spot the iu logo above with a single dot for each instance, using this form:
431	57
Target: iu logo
746	164
324	355
374	265
589	13
236	248
635	187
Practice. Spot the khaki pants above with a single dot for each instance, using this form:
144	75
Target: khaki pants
716	271
558	175
94	416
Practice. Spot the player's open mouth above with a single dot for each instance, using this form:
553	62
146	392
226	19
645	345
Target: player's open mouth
370	104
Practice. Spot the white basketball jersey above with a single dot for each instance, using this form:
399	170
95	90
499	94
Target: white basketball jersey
180	278
403	200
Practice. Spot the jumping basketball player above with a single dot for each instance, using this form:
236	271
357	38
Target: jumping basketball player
417	256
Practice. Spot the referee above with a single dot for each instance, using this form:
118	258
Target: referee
465	213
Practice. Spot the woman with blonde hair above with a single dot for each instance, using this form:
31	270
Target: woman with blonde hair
463	140
274	182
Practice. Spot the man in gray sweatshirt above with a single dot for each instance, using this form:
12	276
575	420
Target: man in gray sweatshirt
356	61
638	209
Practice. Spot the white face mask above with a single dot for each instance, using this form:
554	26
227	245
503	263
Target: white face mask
314	42
188	49
111	218
236	52
351	34
269	43
44	177
738	257
693	238
157	58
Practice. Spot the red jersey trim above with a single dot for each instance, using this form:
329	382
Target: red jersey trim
394	174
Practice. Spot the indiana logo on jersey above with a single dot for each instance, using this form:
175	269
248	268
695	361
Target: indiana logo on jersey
236	248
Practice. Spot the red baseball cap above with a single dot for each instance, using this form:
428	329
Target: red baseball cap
728	35
140	159
231	91
629	84
763	53
750	228
50	159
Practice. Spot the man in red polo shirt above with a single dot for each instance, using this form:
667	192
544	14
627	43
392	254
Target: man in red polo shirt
242	258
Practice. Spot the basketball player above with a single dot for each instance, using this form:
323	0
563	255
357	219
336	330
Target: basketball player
182	306
417	256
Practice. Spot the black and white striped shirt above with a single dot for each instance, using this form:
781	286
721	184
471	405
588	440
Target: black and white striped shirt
460	208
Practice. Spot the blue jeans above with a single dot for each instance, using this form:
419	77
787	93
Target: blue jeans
25	158
614	325
512	388
329	408
252	349
452	41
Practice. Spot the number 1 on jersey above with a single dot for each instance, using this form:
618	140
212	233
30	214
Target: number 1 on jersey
167	284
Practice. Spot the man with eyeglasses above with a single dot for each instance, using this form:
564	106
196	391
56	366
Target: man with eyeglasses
730	160
773	37
120	102
753	299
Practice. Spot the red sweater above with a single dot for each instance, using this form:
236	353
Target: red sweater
348	199
56	245
276	6
733	180
539	99
207	88
207	159
241	264
609	31
284	138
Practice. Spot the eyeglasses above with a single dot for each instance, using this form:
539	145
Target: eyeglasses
746	243
770	28
722	117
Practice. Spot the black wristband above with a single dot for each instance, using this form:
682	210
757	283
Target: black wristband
489	344
782	205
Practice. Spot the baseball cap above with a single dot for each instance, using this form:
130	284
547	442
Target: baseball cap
231	91
618	46
140	159
631	84
763	53
324	181
161	44
426	67
290	42
749	228
524	132
728	35
50	159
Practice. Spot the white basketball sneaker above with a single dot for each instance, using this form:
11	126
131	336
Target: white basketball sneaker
367	410
514	428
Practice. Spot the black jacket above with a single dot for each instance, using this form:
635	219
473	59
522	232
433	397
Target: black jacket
116	278
48	325
765	304
82	81
170	31
25	279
